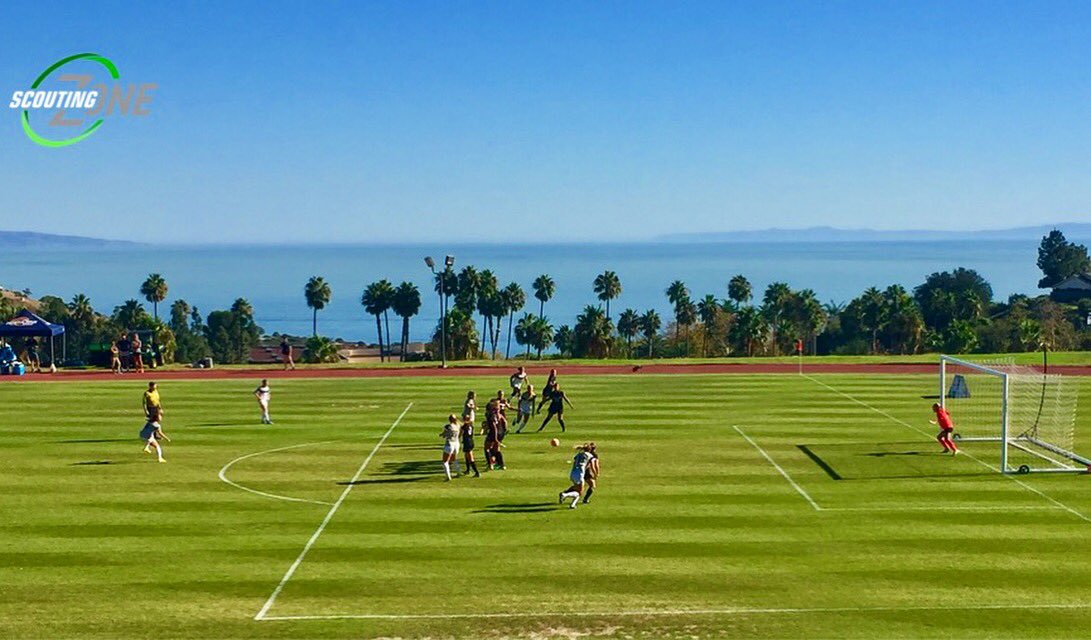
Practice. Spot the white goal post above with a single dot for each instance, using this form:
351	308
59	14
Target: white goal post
1030	414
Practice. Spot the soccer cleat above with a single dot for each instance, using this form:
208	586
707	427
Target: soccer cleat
560	498
954	452
572	506
162	460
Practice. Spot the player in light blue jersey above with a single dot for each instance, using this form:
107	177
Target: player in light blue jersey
577	475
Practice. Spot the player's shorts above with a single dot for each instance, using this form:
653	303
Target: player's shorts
576	477
148	432
450	448
467	444
946	431
526	407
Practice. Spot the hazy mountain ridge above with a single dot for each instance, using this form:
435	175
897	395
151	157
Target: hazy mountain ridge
34	240
1072	230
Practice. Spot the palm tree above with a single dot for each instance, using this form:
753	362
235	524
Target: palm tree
318	294
376	300
685	314
130	314
749	327
562	339
708	309
154	291
488	302
628	326
649	326
873	307
523	330
514	299
677	291
469	281
406	304
81	310
541	334
739	290
777	297
593	332
544	288
607	287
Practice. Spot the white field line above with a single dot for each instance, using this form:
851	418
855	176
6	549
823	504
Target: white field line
223	473
689	612
1017	481
784	473
329	516
942	508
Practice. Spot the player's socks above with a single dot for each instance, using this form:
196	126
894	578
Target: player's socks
447	469
569	495
587	496
499	460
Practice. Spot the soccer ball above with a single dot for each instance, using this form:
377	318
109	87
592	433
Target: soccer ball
554	442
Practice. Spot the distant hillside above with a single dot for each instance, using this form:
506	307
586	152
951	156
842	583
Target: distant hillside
30	239
1072	230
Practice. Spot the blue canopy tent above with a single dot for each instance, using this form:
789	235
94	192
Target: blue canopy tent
26	324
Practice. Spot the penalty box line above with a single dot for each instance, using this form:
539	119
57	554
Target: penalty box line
261	615
742	611
795	485
1017	481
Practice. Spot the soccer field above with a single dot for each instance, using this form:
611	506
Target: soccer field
730	505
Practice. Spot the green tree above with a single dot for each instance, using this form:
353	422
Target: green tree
154	290
774	305
320	349
232	333
739	290
514	299
563	339
649	326
628	326
750	328
948	295
131	315
1059	259
607	287
406	303
544	288
376	300
469	282
708	310
592	334
317	293
685	314
462	338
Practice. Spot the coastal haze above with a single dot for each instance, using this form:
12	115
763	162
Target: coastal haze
837	264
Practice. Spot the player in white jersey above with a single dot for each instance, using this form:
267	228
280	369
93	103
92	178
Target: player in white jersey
526	407
577	475
450	435
152	433
469	408
517	380
262	393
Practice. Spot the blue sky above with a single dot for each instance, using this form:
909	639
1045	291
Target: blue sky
529	121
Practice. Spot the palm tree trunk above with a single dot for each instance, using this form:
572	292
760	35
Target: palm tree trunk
386	318
541	309
314	322
379	330
405	335
511	318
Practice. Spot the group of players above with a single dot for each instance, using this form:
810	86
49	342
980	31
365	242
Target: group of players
459	432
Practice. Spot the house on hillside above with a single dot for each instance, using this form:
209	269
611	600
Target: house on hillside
1072	289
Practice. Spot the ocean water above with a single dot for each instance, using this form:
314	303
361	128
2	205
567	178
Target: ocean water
272	278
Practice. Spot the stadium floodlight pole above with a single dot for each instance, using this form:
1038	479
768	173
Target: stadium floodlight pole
448	262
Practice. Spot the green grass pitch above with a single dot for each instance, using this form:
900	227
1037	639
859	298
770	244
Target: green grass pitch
730	505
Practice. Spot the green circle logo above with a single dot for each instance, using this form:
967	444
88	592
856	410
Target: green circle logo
46	142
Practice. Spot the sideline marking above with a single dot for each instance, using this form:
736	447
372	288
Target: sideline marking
784	473
223	473
971	456
687	612
329	516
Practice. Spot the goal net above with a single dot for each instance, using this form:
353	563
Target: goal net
1030	415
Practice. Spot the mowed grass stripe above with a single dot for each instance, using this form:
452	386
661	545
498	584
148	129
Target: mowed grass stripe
687	515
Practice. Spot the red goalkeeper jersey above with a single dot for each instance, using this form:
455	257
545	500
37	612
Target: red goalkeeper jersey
943	419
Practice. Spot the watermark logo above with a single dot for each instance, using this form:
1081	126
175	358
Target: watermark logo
86	101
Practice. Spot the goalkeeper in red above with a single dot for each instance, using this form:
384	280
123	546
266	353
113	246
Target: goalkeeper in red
943	419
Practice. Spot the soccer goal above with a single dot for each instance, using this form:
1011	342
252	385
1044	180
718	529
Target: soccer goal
1031	415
